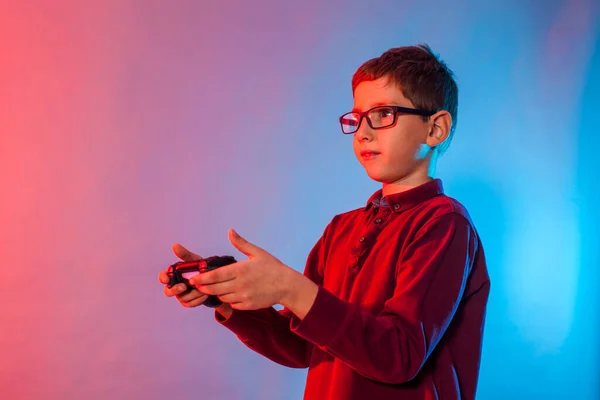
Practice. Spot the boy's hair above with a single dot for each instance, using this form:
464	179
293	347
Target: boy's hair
422	77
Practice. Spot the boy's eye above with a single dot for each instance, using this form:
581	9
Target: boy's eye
386	112
382	113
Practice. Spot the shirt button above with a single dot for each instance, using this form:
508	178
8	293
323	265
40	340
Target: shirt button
396	206
362	239
378	220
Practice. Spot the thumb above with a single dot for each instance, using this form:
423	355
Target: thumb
184	253
243	245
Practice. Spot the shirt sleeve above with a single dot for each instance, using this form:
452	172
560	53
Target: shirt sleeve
267	331
431	276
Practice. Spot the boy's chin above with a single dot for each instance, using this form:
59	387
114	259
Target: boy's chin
385	179
379	177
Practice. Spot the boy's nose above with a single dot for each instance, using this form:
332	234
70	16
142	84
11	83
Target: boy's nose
364	132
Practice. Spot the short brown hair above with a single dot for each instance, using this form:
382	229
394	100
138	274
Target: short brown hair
422	77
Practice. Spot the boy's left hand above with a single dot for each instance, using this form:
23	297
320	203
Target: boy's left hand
259	282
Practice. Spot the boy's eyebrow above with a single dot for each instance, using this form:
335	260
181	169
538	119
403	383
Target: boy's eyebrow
379	103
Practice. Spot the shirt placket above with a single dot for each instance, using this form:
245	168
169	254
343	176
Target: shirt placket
362	245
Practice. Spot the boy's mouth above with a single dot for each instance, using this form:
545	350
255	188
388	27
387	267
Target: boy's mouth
368	154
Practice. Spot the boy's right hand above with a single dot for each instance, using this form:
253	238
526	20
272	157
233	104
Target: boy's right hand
192	298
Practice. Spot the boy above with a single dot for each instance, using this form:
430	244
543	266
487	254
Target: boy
392	301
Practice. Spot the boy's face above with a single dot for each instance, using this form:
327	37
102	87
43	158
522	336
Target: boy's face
397	153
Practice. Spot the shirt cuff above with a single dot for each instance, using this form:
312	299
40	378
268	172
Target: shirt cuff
326	319
238	322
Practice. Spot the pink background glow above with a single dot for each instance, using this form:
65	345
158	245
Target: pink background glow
126	126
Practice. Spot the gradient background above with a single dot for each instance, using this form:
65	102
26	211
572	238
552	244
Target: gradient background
126	126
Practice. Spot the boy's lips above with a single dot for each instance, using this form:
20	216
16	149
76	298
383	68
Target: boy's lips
368	154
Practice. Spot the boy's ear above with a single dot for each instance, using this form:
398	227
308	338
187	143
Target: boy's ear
439	128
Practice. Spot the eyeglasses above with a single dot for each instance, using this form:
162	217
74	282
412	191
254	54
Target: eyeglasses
377	117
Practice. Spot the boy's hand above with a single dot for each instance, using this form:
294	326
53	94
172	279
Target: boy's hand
192	298
259	282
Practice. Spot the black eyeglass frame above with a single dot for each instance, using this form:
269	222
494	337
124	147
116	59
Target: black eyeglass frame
397	110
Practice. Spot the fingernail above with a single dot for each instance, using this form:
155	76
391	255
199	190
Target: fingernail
235	234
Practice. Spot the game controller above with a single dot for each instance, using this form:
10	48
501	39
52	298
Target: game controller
182	271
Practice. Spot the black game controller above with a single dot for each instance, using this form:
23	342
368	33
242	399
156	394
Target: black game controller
181	271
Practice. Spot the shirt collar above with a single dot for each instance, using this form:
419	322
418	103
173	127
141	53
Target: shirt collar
399	202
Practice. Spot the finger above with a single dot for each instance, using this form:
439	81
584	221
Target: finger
243	245
190	295
222	274
163	277
184	253
194	303
231	298
175	290
218	289
240	305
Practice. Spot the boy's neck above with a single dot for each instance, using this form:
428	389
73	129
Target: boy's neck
422	174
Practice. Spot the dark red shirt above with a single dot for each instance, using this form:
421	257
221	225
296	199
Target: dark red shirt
400	309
